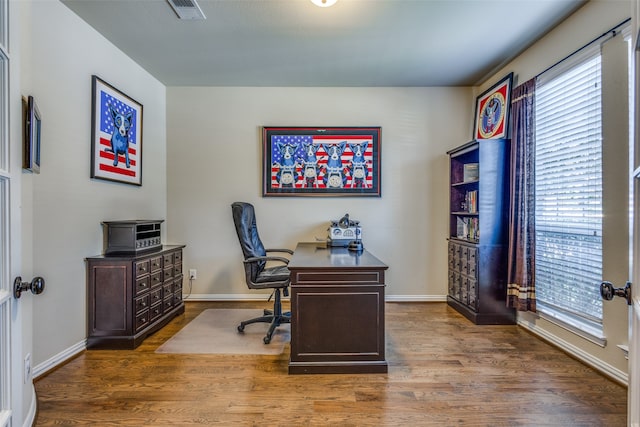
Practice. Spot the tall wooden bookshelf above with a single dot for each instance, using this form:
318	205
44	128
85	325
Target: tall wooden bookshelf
478	231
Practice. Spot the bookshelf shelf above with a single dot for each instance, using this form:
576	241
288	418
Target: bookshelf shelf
478	231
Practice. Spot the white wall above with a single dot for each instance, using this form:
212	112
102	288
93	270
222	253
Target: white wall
592	20
214	159
60	54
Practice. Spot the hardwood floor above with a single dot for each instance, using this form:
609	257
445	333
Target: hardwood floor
443	371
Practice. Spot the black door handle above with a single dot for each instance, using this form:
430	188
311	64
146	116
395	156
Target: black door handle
36	286
608	291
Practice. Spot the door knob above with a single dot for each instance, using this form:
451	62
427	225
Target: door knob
608	291
36	286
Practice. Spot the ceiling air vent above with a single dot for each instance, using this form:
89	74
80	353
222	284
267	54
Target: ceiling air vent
187	9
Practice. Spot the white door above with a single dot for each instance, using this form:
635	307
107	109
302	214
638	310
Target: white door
634	345
11	383
633	399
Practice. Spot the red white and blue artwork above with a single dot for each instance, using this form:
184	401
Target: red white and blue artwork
117	135
316	161
492	111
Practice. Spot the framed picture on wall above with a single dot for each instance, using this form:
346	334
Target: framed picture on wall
116	134
328	161
492	111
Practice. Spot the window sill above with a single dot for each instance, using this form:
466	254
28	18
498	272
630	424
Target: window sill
573	325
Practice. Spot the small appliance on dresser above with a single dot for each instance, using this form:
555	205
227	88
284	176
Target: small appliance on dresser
135	287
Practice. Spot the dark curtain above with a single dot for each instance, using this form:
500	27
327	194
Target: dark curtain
521	292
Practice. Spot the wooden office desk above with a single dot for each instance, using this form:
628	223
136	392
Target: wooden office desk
337	311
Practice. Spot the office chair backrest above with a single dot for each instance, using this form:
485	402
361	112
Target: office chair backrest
244	219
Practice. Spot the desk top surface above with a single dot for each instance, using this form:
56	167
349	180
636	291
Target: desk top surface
317	255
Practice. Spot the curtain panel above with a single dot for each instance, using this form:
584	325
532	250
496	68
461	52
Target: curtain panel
521	293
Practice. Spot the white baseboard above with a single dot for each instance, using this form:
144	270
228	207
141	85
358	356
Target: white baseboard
263	296
59	358
416	298
258	296
586	358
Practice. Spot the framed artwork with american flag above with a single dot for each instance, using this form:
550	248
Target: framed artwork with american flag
116	134
327	161
492	111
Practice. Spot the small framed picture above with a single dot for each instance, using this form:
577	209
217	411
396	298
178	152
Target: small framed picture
32	135
116	129
328	161
492	111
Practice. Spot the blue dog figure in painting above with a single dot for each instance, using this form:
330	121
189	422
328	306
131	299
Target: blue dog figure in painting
358	167
309	164
286	173
334	176
120	137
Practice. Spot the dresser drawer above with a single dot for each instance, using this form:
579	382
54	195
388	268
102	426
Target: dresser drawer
177	257
142	268
155	296
167	302
168	273
177	285
156	279
155	312
155	263
177	270
168	259
142	285
167	289
142	320
177	298
142	303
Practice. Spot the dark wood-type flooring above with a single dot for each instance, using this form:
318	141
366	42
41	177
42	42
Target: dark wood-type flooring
443	371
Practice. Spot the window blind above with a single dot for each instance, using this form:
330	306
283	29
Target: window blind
568	186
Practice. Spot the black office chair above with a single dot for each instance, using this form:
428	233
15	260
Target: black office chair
258	275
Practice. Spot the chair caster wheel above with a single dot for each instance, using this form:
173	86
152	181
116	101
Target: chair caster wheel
266	340
240	328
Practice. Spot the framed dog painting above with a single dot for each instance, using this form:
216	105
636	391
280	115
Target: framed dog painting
492	111
116	135
331	161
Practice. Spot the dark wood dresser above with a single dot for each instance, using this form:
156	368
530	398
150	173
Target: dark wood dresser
132	296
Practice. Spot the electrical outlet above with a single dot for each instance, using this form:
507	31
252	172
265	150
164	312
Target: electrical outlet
193	273
27	368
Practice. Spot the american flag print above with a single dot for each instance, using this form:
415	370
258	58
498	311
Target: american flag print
321	141
107	98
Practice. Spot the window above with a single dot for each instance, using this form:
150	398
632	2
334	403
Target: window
574	206
568	186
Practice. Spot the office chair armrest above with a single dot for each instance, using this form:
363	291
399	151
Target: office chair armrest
266	258
289	251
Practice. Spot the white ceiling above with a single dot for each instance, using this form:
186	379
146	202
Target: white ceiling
354	43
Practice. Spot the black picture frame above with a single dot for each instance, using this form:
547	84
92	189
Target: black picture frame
32	135
116	134
493	106
321	161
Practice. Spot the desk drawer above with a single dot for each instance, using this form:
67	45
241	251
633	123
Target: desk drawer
352	278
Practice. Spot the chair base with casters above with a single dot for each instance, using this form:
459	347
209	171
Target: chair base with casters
275	317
